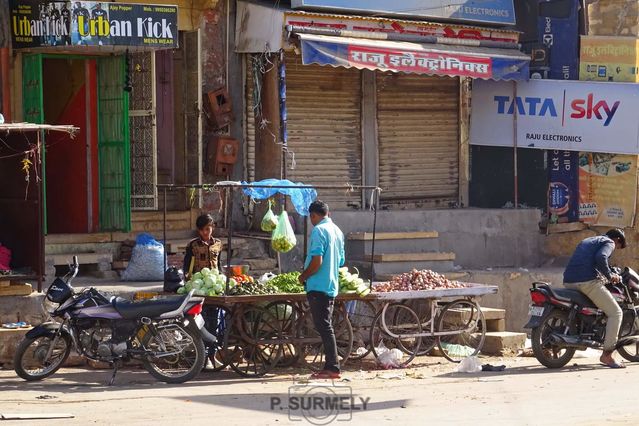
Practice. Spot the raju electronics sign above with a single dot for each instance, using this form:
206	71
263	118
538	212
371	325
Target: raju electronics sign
556	115
482	11
39	23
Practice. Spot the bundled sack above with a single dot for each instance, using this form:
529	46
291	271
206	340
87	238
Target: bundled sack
283	239
269	221
147	260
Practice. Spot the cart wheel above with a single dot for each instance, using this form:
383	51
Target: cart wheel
288	316
254	342
465	321
362	319
311	348
402	330
422	308
217	318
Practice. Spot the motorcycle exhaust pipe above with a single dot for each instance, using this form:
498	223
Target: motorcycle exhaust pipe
571	341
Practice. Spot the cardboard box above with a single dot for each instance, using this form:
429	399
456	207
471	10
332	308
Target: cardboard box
604	58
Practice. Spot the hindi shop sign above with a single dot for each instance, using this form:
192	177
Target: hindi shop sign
39	23
483	11
556	115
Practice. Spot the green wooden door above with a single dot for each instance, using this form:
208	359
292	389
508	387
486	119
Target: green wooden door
113	146
33	112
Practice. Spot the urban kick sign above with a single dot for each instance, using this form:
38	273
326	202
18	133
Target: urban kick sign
556	115
39	23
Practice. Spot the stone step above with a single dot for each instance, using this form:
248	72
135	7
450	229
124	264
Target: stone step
83	258
495	318
393	268
413	257
359	244
101	247
503	343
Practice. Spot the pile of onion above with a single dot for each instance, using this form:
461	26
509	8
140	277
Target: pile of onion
418	280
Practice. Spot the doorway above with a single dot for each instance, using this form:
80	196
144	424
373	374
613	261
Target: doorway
69	97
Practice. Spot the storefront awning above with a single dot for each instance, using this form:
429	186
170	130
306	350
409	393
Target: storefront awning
431	59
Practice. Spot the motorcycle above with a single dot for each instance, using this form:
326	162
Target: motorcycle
565	320
165	334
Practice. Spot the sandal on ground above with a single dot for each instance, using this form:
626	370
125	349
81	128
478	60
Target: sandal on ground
325	374
614	365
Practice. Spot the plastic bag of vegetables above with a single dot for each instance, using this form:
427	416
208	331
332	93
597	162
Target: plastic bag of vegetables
269	221
283	239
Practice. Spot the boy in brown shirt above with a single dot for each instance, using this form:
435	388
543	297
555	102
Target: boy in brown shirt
204	251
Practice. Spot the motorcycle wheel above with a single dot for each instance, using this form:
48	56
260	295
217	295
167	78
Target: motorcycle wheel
548	355
627	354
182	366
30	360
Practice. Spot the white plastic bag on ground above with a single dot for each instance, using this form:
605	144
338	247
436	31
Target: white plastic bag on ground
389	358
469	364
147	260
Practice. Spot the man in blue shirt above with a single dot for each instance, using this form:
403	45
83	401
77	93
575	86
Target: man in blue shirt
321	281
588	271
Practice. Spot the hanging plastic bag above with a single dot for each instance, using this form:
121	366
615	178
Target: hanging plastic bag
283	239
269	221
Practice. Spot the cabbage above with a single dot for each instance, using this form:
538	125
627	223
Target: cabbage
197	283
197	276
205	271
209	282
182	290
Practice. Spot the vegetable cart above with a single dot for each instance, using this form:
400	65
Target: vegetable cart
257	333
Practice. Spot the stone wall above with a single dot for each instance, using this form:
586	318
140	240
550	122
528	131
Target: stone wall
613	18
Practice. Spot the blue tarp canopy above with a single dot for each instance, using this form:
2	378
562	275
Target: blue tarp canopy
418	58
300	197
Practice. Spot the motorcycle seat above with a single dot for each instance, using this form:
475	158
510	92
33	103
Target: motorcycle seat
570	295
146	308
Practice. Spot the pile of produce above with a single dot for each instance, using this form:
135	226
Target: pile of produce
207	282
243	279
350	283
252	288
418	280
287	283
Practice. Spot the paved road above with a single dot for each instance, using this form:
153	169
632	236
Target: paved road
584	393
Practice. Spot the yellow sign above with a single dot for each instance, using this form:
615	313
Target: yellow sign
609	59
607	189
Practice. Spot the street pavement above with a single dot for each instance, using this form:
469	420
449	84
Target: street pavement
430	392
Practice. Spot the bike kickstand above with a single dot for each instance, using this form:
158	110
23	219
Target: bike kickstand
115	371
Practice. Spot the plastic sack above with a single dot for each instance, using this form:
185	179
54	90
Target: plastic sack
283	239
266	278
389	358
469	364
269	221
147	260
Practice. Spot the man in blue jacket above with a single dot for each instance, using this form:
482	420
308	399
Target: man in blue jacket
321	281
588	271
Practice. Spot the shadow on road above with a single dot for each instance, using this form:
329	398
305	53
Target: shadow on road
534	369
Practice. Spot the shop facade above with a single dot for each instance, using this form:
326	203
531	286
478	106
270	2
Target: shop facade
372	101
129	75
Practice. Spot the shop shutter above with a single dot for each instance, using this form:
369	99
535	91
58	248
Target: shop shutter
324	128
418	128
249	158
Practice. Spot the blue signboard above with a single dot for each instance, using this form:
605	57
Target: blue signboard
563	186
481	11
560	35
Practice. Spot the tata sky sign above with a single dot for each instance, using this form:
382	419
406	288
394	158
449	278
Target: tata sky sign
481	11
557	115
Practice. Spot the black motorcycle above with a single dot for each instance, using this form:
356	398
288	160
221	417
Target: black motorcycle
165	334
564	321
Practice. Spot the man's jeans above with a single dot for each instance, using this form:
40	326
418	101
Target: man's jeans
601	297
321	306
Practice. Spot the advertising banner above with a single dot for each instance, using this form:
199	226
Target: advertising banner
609	59
607	189
556	115
431	59
484	11
561	38
563	186
39	23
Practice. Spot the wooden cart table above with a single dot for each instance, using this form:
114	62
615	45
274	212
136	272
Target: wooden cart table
256	333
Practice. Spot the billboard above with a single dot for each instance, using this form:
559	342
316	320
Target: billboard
481	11
609	59
556	115
39	23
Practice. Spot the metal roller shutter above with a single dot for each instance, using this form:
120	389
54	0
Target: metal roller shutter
249	158
324	128
418	127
